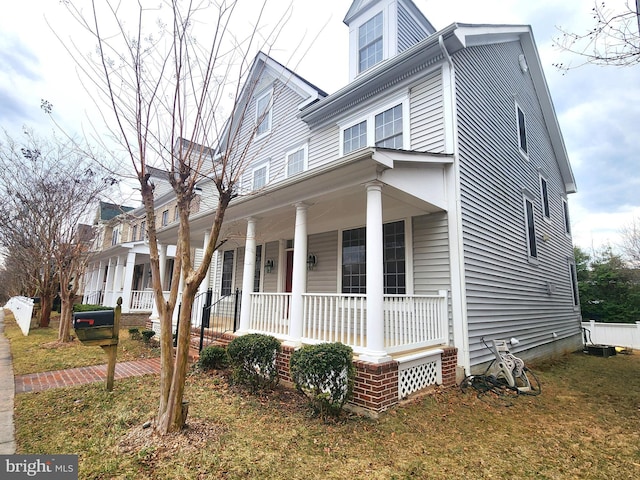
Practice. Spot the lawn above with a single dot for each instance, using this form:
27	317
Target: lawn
40	352
585	424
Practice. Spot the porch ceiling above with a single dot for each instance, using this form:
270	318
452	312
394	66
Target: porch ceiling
414	184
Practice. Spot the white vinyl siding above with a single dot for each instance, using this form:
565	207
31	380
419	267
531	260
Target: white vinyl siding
263	114
427	115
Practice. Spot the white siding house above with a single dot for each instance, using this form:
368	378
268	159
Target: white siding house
415	211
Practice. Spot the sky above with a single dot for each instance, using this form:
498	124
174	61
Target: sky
598	108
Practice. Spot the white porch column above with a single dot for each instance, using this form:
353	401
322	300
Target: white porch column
204	286
299	274
109	299
375	351
101	286
247	275
128	282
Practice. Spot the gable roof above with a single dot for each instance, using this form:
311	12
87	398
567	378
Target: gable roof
435	49
262	65
108	211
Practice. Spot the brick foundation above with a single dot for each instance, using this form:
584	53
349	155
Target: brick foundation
376	385
449	364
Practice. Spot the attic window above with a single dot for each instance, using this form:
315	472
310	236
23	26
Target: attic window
370	43
522	131
263	114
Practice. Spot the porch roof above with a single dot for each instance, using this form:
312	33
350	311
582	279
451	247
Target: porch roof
335	190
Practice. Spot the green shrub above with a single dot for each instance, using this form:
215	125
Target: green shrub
325	374
134	334
253	359
86	307
212	357
146	335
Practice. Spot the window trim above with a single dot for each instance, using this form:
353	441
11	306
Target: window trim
260	166
522	132
566	220
369	116
269	114
305	161
530	228
545	204
165	218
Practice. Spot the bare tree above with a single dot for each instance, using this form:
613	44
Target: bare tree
47	188
630	234
613	40
168	77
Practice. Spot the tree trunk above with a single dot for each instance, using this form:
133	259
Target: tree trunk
46	305
173	417
66	312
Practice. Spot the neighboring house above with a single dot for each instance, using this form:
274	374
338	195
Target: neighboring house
119	264
416	211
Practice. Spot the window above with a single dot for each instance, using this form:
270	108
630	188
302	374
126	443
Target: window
263	114
531	229
354	260
143	229
522	131
165	218
296	161
355	137
175	213
227	272
389	128
256	274
567	222
370	43
260	176
574	284
115	237
381	128
134	233
544	197
394	263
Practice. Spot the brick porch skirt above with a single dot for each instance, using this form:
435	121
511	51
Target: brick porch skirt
376	385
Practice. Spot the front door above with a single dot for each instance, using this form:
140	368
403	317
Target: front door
289	273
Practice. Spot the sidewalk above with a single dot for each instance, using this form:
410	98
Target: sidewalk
36	382
7	393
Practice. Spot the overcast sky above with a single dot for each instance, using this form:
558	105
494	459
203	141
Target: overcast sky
598	107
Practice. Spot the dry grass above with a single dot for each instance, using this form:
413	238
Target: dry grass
40	352
585	424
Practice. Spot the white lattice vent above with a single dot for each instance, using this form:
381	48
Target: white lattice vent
418	373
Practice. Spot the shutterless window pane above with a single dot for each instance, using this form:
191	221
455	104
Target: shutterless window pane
354	271
394	258
227	272
522	132
295	162
388	126
531	230
370	43
355	137
545	197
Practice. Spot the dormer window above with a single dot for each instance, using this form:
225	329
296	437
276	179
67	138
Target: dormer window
370	47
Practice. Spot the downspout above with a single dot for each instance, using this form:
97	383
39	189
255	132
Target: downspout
456	250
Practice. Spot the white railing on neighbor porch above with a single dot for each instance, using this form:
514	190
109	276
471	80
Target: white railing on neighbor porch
410	321
270	313
93	297
141	300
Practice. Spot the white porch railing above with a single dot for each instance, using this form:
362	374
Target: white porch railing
410	321
335	318
270	313
141	300
93	297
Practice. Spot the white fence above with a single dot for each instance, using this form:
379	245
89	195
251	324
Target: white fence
22	309
615	334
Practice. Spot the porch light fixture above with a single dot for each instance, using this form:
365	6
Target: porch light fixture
268	265
312	261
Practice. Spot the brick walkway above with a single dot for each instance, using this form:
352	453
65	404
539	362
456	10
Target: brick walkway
36	382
